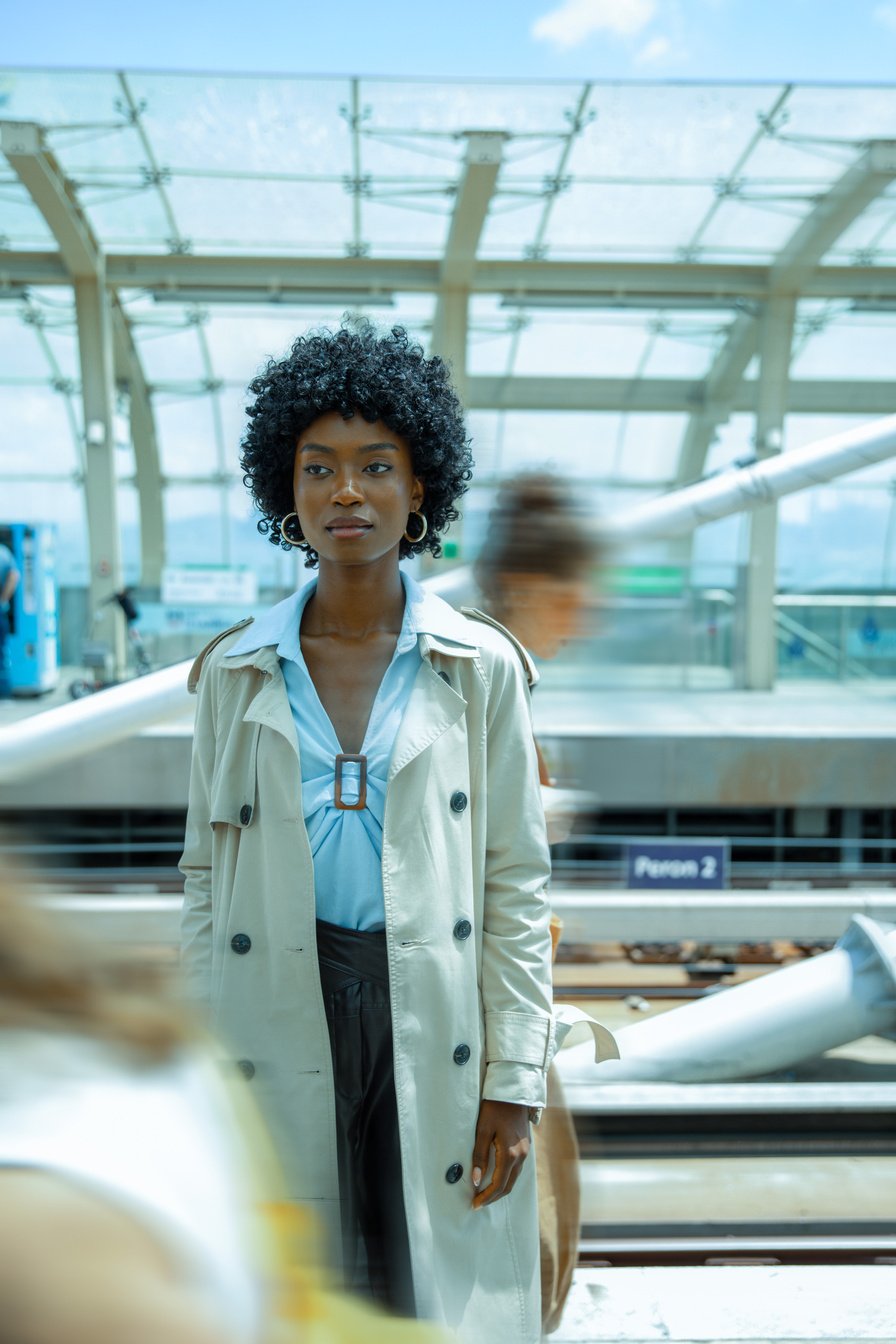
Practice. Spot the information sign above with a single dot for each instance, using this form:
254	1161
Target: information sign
700	865
204	585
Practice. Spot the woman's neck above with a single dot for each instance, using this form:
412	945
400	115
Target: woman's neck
353	601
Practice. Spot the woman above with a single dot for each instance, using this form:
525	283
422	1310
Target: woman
366	856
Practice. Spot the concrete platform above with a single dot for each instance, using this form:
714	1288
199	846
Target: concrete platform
749	1304
804	744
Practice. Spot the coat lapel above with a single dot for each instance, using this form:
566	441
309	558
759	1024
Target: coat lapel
271	705
433	708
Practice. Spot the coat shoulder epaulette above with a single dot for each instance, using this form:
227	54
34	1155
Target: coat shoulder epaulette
525	657
193	678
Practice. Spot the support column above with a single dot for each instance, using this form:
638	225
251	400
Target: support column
100	486
130	377
760	588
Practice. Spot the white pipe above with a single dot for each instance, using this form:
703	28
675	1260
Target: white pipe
57	736
745	488
767	1024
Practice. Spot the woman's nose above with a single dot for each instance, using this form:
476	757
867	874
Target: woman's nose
347	489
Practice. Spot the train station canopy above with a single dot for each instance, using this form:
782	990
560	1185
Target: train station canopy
608	266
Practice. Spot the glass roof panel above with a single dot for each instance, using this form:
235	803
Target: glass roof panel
582	444
21	223
684	344
57	98
21	354
648	447
244	123
168	345
668	131
625	221
442	111
846	345
873	233
127	221
748	230
37	434
186	432
570	343
404	226
512	224
491	335
230	215
847	112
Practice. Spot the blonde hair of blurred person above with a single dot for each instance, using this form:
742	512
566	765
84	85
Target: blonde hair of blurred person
88	1255
535	564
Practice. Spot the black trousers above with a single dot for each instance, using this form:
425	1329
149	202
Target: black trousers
354	974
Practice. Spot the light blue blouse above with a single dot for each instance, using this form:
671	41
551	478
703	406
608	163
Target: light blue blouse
346	846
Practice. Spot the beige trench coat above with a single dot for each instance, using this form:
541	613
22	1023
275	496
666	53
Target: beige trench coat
248	870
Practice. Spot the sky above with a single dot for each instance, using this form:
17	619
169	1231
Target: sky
824	40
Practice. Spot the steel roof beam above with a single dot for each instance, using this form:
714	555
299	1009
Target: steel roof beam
791	273
107	353
673	395
583	283
482	164
129	374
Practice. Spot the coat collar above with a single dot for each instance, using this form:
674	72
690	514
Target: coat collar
275	634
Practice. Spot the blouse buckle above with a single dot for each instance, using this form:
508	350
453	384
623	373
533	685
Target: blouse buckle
362	782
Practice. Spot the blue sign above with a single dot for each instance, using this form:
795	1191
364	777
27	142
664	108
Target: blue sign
698	865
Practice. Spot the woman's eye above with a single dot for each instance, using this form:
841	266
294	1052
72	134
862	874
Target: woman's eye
377	468
316	469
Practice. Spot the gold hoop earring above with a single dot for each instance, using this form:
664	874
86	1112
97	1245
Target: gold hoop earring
415	513
289	541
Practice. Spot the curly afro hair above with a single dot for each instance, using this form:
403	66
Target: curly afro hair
356	370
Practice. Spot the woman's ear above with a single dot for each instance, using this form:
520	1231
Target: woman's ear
418	493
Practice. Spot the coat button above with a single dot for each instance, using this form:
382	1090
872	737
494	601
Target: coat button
445	677
461	1054
241	942
458	801
462	929
454	1173
245	814
246	1068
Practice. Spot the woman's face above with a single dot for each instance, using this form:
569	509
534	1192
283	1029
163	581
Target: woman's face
354	487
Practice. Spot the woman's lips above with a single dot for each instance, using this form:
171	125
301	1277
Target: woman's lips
348	530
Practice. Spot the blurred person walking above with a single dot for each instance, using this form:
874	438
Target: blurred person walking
534	572
366	856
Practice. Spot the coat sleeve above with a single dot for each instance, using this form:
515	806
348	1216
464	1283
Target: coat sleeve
516	940
196	862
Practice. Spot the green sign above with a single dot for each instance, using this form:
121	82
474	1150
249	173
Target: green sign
645	580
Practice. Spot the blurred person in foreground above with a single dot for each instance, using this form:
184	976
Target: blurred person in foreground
139	1199
534	572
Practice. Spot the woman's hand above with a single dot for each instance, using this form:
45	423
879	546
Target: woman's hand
506	1126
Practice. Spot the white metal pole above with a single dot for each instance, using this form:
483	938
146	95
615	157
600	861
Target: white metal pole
764	1025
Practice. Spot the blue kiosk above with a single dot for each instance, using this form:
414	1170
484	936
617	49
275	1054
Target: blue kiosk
33	642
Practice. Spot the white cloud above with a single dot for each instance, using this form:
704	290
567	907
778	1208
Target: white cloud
573	21
886	14
655	50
